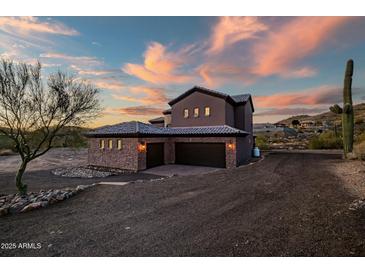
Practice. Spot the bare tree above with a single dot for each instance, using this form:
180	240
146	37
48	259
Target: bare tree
32	115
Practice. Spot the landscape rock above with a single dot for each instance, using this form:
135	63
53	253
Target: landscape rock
31	207
357	204
14	208
15	203
88	172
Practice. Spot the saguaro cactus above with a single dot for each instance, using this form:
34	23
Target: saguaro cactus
347	111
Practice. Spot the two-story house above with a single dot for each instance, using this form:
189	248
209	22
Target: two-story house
203	127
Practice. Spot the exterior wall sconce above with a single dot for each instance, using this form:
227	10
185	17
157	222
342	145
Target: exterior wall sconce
231	145
142	147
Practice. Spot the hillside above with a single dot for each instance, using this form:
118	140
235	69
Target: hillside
67	137
329	116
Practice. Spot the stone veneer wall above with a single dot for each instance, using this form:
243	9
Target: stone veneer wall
129	157
142	158
126	158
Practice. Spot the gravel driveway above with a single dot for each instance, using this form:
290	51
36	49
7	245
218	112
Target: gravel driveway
286	205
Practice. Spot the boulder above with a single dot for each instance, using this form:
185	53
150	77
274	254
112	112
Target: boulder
31	206
14	208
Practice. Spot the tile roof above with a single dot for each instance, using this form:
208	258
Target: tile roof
241	98
206	130
135	129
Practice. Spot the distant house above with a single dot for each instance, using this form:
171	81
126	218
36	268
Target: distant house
263	127
203	127
307	124
268	129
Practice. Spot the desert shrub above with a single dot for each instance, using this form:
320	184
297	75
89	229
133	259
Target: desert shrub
359	120
69	137
360	138
325	140
262	142
359	150
6	143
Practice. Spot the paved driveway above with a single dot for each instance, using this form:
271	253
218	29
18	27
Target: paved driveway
286	205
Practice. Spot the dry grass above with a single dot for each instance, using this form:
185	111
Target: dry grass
359	150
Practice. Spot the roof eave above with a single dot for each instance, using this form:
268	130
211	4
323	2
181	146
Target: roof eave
165	135
200	89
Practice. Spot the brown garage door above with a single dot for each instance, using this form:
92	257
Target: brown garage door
155	154
201	154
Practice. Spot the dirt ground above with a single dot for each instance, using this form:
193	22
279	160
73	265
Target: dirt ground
289	204
57	157
38	174
352	174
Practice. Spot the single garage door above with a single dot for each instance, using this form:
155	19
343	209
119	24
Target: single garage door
201	154
155	154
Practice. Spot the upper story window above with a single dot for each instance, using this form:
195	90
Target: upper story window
196	112
186	113
101	144
110	144
119	144
207	111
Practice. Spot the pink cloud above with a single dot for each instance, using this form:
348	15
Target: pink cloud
315	96
92	72
143	95
279	52
32	24
160	66
230	30
108	83
138	110
216	74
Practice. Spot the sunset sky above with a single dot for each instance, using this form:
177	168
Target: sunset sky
291	65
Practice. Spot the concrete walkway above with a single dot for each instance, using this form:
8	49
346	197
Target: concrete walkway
179	170
114	183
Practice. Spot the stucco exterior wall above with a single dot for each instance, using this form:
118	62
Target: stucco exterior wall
244	147
167	122
243	117
230	118
160	124
200	100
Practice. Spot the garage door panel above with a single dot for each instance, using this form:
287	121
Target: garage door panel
202	154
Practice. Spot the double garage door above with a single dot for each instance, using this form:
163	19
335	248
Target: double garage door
199	154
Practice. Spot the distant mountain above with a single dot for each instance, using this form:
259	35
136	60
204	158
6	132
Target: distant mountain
329	116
